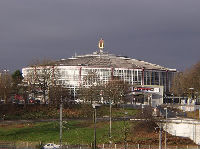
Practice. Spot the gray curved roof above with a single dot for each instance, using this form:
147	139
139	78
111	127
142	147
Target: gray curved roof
108	60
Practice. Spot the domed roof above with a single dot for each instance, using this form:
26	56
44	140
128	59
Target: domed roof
108	60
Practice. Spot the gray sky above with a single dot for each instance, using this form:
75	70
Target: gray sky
164	32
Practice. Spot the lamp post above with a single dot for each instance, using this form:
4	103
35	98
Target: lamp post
125	131
142	108
61	107
95	106
110	128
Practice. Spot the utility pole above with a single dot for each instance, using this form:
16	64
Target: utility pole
95	121
125	131
166	128
110	121
95	106
61	108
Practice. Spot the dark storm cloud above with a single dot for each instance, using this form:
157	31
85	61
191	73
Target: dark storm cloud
162	32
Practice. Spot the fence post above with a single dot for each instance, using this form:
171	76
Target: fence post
103	146
15	146
187	147
115	146
138	146
149	146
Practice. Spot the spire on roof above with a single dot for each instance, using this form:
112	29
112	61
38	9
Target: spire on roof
101	45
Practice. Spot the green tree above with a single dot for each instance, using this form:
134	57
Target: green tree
17	77
16	81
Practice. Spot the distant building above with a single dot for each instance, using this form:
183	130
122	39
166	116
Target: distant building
136	72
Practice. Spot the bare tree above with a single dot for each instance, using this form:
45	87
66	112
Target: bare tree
190	78
90	94
5	85
91	88
57	94
117	90
94	90
178	84
40	77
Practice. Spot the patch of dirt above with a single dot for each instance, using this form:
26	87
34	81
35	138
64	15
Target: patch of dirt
98	125
9	126
83	124
145	133
153	138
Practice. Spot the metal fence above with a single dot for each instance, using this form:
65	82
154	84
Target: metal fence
138	146
102	146
135	146
6	145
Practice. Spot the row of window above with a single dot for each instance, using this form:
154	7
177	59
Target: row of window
71	77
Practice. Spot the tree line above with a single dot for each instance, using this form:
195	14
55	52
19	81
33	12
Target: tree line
46	83
187	83
115	91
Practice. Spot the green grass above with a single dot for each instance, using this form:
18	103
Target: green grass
34	112
121	112
74	132
117	112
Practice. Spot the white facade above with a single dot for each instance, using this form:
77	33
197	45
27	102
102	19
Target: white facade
72	72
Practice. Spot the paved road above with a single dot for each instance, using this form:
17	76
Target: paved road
171	113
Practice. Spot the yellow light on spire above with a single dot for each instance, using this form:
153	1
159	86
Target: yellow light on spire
101	44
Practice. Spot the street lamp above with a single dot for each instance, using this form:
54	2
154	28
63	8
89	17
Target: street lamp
61	121
142	108
95	106
125	131
110	117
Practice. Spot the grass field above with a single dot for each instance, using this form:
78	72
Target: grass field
82	131
35	112
74	132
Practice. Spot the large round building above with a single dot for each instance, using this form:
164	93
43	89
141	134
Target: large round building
72	71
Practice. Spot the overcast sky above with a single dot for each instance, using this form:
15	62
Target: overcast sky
164	32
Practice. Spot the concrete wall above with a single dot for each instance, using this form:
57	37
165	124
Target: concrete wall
185	128
189	107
